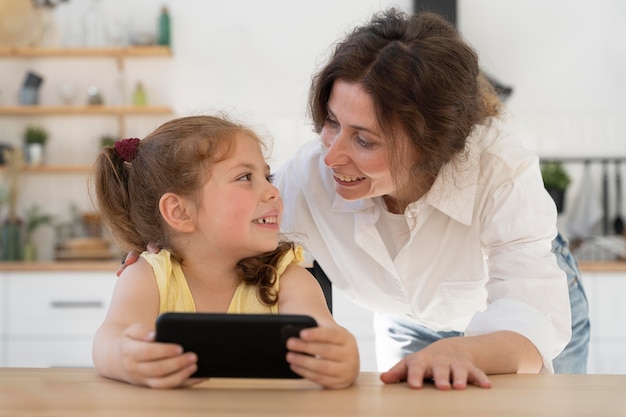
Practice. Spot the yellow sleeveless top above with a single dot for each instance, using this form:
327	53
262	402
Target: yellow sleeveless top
175	294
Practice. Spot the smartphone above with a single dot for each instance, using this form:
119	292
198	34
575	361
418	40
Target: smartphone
234	345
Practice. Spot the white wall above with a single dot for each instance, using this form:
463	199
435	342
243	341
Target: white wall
251	58
564	58
566	61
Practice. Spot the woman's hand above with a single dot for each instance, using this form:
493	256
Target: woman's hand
444	362
456	361
156	365
325	355
132	257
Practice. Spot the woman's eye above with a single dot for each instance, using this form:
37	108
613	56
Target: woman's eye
270	178
364	143
331	122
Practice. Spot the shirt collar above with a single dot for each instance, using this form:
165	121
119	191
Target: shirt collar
453	192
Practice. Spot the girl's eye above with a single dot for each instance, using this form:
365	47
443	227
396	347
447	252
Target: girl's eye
270	178
246	177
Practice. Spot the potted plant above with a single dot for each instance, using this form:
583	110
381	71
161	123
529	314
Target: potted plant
35	138
107	141
33	219
11	226
555	180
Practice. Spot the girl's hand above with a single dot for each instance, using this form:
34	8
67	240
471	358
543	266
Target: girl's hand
325	355
156	365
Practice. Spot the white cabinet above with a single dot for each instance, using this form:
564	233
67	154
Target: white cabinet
49	318
3	303
606	292
359	322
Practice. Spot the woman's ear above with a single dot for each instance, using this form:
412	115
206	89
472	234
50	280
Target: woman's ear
177	212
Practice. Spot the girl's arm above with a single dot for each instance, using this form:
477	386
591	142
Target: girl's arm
327	354
124	347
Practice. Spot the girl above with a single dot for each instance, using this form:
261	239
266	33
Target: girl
200	188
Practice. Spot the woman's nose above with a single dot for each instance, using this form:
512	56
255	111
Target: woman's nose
335	149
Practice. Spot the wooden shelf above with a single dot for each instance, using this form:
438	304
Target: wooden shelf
54	169
118	53
83	110
130	51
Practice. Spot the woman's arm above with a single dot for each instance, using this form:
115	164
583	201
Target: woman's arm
455	361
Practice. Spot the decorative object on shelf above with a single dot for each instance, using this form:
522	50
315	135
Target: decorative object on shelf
163	37
49	35
48	3
94	97
555	180
34	218
29	94
139	95
4	147
81	238
19	23
67	92
95	25
618	223
35	138
11	232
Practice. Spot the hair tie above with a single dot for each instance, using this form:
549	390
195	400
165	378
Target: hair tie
127	149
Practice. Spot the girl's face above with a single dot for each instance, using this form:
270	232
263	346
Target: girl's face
240	210
357	149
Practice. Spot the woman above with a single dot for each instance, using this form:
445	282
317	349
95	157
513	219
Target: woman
420	205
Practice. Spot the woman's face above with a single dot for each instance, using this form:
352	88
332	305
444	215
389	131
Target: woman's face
357	149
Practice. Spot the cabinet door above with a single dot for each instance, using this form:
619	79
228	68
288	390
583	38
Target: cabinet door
46	353
3	307
359	322
57	303
607	313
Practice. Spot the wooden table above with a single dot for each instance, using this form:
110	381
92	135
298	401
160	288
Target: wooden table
82	392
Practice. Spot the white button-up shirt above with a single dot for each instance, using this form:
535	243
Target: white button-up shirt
478	258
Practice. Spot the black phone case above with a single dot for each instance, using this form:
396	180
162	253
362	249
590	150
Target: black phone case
234	345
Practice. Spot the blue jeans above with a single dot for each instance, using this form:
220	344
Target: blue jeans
396	337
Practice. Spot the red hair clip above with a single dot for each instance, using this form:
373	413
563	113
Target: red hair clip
127	149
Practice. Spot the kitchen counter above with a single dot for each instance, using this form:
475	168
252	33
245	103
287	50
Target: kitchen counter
81	392
110	265
602	266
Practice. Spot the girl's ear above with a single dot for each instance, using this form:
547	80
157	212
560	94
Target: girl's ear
177	212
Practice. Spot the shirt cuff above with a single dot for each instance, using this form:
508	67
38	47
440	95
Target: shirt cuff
516	316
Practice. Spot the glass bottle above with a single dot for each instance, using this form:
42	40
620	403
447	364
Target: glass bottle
163	37
95	25
139	95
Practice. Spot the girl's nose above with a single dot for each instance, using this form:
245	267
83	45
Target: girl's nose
271	192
